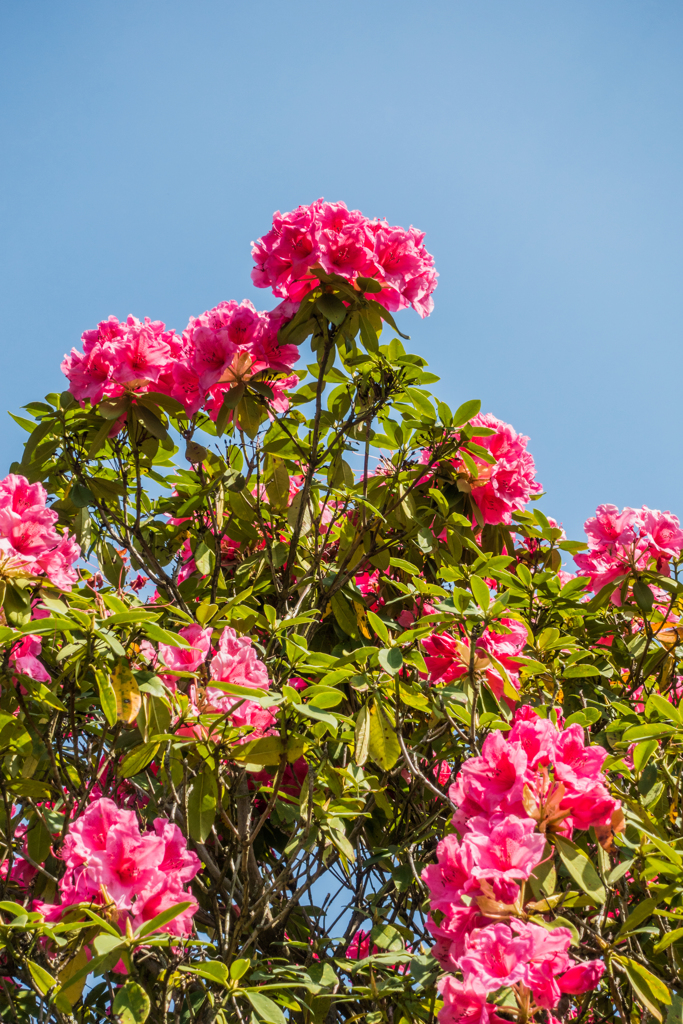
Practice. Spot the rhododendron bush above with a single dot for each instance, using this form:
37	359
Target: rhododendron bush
308	712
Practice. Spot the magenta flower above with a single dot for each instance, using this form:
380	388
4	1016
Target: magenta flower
582	977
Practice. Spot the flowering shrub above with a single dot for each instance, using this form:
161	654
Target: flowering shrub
302	716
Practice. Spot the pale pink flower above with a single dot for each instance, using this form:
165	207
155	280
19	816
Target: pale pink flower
237	662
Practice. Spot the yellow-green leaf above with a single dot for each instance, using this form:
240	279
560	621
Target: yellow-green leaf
383	745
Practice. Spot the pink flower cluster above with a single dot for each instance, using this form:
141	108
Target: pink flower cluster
108	860
346	243
29	543
537	779
222	347
234	662
628	541
448	658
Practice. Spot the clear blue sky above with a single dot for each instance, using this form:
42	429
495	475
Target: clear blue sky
144	143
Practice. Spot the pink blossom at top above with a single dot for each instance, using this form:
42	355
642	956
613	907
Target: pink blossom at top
119	355
29	542
626	542
108	858
346	243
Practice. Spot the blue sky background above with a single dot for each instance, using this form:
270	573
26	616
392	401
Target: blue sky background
145	143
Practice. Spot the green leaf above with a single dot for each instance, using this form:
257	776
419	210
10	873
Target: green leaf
643	595
151	422
107	697
653	731
211	970
42	978
362	736
464	413
481	592
643	753
580	869
668	939
383	746
390	659
379	627
636	917
158	922
651	991
344	614
266	1009
137	760
132	1003
238	968
39	841
201	805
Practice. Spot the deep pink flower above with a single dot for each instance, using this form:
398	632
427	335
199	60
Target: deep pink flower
485	782
187	659
582	977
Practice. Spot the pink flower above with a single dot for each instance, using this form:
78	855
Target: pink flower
107	857
504	847
505	487
237	662
452	875
359	946
494	778
630	541
187	659
465	1003
496	956
453	931
24	659
178	861
448	658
